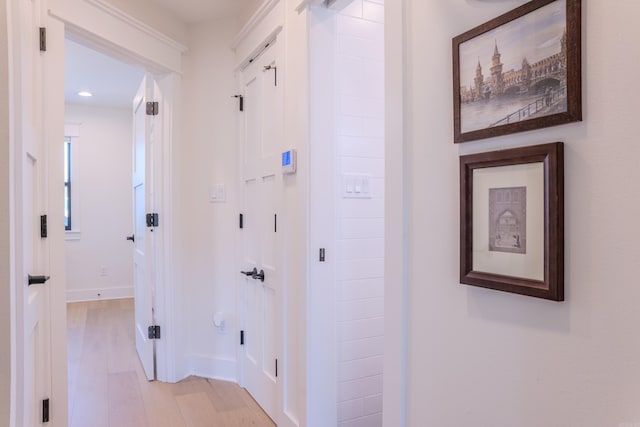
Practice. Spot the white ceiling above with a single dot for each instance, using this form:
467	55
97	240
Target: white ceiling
190	11
112	83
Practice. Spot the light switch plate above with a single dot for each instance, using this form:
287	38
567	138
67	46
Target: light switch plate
217	193
356	186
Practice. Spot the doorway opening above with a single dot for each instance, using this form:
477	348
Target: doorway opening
99	93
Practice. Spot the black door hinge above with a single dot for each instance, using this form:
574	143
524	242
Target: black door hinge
240	101
43	226
154	332
321	256
275	223
152	108
45	411
152	220
43	39
276	368
275	73
241	337
241	221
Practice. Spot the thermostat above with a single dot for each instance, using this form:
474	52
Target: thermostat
289	160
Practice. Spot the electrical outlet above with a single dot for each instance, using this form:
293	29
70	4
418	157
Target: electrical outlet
103	270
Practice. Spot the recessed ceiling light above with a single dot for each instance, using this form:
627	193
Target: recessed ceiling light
85	93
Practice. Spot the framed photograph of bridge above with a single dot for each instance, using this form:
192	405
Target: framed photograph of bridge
512	220
520	71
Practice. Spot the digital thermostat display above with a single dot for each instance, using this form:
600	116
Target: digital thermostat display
289	162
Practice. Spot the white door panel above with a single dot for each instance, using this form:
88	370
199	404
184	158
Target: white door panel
142	204
33	364
261	248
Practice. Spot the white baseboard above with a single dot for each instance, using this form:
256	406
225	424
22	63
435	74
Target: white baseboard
212	367
81	295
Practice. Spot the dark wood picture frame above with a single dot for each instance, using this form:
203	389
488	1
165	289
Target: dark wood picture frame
552	192
540	88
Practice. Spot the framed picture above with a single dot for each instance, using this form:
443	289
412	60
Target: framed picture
520	71
512	220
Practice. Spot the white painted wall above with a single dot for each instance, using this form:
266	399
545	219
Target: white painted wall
360	109
346	311
5	227
103	214
296	213
481	357
155	16
205	232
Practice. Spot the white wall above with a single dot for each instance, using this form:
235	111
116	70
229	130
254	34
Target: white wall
486	358
102	215
346	292
296	212
155	16
205	233
5	228
360	222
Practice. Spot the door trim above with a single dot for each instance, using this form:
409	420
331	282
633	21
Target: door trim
89	28
396	221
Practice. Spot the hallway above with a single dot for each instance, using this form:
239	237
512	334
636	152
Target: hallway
108	388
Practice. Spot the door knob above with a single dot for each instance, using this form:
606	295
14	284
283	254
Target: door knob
250	273
132	237
259	275
37	280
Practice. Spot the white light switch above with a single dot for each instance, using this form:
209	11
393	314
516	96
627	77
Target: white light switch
356	186
217	194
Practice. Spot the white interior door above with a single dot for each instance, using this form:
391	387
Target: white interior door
143	235
36	362
261	249
33	298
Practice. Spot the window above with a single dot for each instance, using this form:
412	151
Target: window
67	184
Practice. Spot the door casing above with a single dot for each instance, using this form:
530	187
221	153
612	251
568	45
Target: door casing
86	21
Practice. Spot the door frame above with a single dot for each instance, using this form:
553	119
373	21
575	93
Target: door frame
265	27
18	146
275	45
101	26
111	31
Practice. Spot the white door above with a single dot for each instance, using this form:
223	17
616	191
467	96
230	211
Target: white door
33	298
261	248
35	361
143	235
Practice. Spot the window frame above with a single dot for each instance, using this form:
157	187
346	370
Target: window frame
68	202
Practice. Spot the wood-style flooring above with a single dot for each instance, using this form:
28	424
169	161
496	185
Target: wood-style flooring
108	388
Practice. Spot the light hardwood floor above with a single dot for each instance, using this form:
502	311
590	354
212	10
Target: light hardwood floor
108	388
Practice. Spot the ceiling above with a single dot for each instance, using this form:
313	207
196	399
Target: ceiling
112	83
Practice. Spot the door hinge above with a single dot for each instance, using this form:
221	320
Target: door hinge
43	39
152	220
276	368
241	221
321	256
275	73
240	101
152	108
275	223
45	410
154	332
241	337
43	226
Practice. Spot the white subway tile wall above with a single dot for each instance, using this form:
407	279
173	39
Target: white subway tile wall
360	248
